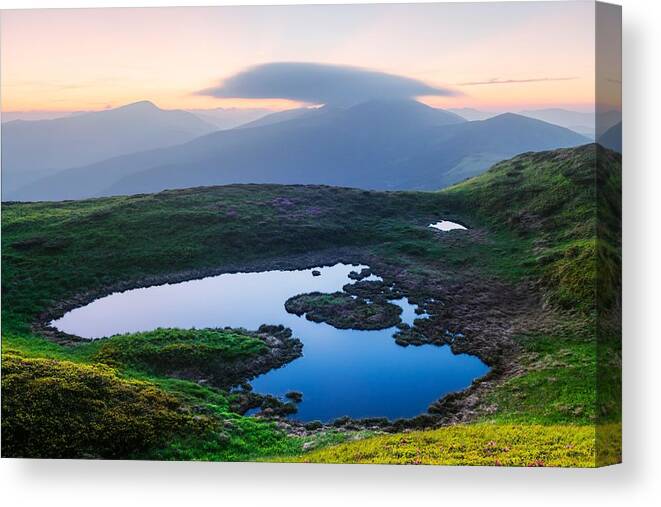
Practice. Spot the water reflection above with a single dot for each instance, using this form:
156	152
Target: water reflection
342	372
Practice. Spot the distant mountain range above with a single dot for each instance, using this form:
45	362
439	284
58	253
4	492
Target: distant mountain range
32	150
400	144
587	124
7	116
583	123
612	138
470	114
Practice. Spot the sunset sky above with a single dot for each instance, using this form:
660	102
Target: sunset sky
506	56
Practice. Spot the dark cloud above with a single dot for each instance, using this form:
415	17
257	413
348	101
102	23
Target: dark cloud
509	81
320	84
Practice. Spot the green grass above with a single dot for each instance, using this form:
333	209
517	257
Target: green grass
167	350
558	385
555	199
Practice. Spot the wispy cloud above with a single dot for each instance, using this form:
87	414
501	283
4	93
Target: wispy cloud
320	84
64	85
496	81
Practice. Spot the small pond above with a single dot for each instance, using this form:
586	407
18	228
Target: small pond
342	372
446	225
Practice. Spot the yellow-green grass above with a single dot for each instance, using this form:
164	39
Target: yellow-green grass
483	444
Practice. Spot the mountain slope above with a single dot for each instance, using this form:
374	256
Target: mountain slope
470	148
470	114
280	116
554	194
34	149
374	145
228	118
583	123
612	138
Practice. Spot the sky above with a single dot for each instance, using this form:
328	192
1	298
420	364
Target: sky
503	56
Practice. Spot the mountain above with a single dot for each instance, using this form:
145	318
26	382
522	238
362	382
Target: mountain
468	149
286	115
229	118
583	123
471	114
374	145
590	125
607	119
612	138
34	149
8	116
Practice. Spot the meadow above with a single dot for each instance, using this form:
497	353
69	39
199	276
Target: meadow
543	246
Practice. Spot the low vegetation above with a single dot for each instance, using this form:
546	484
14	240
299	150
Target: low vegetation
477	444
61	409
166	351
342	311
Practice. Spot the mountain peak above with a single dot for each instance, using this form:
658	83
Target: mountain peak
389	103
141	105
403	110
509	116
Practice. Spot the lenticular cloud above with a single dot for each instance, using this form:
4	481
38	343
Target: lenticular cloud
317	83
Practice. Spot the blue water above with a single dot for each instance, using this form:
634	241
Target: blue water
342	372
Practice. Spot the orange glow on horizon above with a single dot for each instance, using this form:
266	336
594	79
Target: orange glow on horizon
73	60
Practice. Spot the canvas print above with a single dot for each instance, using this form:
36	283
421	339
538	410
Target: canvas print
323	234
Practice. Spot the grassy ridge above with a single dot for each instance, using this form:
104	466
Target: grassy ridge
558	199
551	197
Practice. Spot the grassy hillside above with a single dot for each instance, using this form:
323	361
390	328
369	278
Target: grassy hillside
568	204
533	229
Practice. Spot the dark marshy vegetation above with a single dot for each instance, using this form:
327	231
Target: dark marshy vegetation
546	220
342	311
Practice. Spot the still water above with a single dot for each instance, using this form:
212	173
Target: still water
342	371
446	225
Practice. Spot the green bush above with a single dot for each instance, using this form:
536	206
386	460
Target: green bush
61	409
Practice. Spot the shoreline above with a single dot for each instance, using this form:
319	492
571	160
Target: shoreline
495	349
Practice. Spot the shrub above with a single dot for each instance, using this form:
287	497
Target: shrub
61	409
